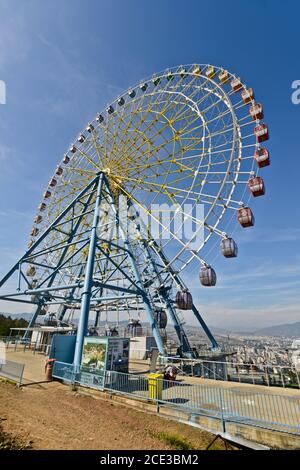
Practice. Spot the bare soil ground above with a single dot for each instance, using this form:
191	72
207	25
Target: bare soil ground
52	416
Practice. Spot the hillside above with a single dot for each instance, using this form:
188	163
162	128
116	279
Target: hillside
290	330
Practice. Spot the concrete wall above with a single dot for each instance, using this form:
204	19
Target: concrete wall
140	346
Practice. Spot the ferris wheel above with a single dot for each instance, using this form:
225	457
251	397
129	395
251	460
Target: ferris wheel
180	153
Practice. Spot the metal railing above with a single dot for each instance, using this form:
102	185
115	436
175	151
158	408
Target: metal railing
257	374
266	410
271	375
17	343
12	370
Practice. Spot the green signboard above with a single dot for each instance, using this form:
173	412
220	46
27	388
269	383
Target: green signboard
101	354
94	358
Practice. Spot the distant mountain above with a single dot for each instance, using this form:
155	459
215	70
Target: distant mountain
289	330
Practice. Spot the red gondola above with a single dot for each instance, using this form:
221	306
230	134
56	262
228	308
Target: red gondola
236	84
257	111
262	156
248	95
256	186
246	217
262	132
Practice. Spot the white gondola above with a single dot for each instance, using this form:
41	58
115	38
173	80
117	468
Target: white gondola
47	194
143	86
210	72
229	248
90	128
170	76
73	149
224	77
31	271
99	118
110	109
155	80
66	159
184	300
42	207
81	138
197	70
131	93
183	73
121	101
59	171
34	232
208	276
52	183
38	219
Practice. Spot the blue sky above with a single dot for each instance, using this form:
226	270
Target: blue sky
62	61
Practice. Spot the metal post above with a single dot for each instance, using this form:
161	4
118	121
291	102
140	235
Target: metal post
221	410
88	282
253	380
282	377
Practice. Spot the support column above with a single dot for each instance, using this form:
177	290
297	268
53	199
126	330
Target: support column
147	304
139	282
88	282
32	322
215	345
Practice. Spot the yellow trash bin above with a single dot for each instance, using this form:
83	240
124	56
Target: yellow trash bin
155	386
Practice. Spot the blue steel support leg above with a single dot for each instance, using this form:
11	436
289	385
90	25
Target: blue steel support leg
88	282
46	232
182	337
147	303
184	342
32	321
139	283
215	345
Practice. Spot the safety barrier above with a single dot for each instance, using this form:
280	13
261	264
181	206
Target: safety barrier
266	410
12	370
257	374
